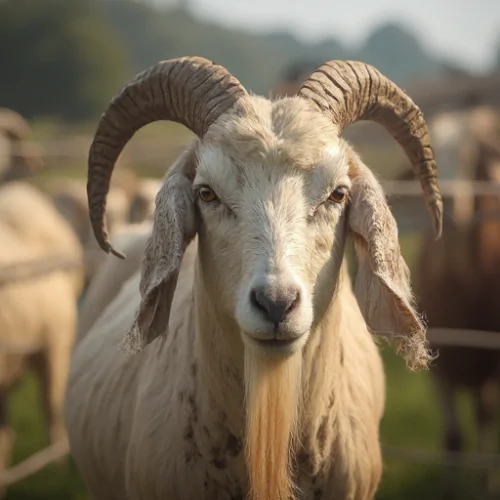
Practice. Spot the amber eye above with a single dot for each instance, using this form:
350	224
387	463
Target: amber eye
207	195
338	195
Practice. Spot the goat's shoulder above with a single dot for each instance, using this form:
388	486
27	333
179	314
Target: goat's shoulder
99	350
114	386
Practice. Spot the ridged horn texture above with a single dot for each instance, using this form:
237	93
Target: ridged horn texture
348	91
189	90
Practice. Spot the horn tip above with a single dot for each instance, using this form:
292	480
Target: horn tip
108	248
116	253
437	218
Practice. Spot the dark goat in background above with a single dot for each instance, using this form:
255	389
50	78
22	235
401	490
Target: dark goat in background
457	278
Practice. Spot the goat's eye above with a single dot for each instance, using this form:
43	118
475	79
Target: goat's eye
338	195
207	195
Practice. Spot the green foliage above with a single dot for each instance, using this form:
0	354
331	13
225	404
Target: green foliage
68	58
258	60
150	36
57	481
412	419
58	58
398	53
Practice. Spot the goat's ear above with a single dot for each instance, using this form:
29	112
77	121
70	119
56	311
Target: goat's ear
174	227
382	284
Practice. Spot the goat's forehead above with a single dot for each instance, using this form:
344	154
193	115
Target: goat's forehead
218	167
283	136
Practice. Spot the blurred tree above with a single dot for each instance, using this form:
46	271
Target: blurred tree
453	69
58	58
153	34
398	53
68	57
258	59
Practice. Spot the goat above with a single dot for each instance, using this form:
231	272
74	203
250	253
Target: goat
40	280
251	370
293	78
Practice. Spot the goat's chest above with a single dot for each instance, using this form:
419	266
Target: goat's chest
337	463
208	466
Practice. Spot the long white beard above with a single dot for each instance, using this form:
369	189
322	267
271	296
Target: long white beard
273	400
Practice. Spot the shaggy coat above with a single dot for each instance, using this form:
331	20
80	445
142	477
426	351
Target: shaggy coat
201	412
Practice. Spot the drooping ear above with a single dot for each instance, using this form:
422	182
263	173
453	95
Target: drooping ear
382	284
174	227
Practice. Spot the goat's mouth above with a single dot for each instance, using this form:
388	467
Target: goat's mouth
276	346
275	342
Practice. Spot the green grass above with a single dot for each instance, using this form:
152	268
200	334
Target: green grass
55	482
411	420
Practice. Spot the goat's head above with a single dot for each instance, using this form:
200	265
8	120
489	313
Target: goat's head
276	188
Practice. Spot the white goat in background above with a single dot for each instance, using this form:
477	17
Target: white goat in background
254	373
41	278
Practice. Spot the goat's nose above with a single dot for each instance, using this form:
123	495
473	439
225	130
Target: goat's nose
275	307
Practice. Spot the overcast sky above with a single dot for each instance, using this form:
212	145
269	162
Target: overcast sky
465	30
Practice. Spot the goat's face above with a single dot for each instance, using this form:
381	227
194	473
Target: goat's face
272	190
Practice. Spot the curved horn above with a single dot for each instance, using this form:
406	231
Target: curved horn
191	91
13	124
348	91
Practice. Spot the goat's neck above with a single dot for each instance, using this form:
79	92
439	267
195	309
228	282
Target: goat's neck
219	352
220	358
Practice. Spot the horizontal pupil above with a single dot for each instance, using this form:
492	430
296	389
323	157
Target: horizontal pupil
338	195
207	193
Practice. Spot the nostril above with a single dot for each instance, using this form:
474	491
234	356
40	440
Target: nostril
258	300
275	309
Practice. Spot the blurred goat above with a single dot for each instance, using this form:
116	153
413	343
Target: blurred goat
293	78
17	159
40	280
130	200
458	277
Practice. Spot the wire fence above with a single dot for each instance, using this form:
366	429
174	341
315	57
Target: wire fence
482	461
30	269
